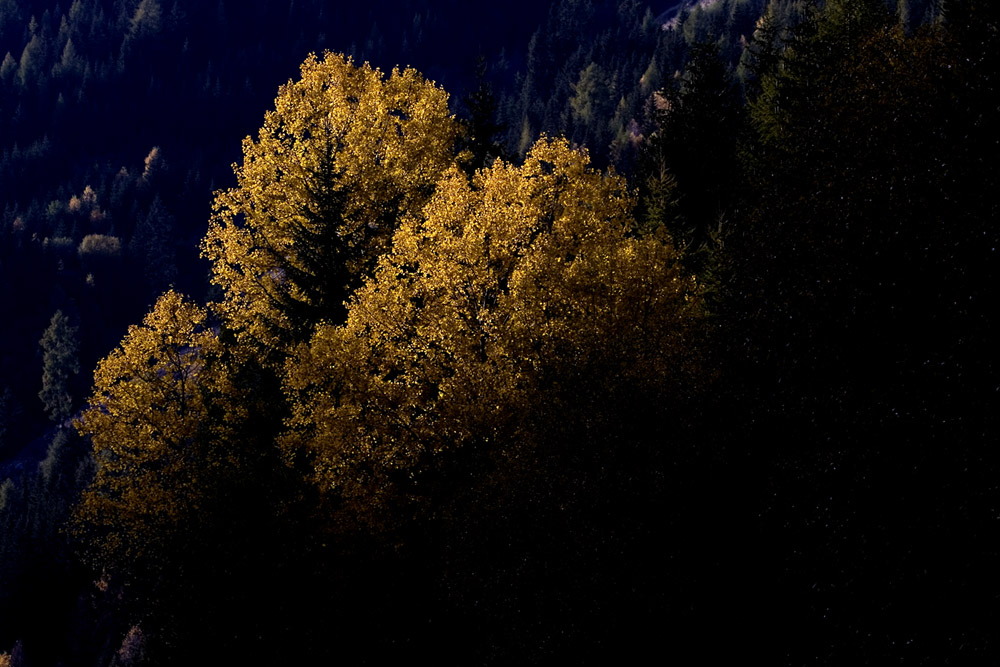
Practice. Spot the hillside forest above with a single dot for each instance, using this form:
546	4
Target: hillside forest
566	332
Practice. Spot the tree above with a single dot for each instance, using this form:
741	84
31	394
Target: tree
592	106
70	63
132	650
503	384
147	20
8	68
59	365
482	127
152	248
155	440
100	257
856	312
695	143
346	154
30	70
182	517
144	27
99	250
517	297
762	53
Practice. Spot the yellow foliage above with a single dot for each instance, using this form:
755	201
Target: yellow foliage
493	304
344	155
151	424
479	310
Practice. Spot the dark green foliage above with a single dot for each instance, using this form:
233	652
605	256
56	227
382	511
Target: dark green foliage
325	256
699	123
857	281
152	249
762	54
483	128
60	362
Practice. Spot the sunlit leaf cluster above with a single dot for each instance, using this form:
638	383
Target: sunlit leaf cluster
158	427
347	151
509	300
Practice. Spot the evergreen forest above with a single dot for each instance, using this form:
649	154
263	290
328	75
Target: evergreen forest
564	332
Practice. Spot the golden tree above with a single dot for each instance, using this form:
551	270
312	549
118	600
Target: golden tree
157	427
346	153
190	491
522	297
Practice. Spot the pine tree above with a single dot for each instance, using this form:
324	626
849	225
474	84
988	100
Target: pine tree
59	365
483	126
696	143
152	248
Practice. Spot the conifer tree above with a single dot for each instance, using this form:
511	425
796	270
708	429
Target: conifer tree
30	70
59	364
483	127
8	68
696	143
151	248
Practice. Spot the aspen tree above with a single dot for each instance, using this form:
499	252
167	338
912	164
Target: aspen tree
345	154
522	295
155	423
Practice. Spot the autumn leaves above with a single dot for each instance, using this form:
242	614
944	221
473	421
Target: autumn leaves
407	313
344	156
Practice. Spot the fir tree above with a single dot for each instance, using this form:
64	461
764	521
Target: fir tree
59	365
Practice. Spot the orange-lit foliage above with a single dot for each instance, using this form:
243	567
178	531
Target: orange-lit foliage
155	420
345	154
521	297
